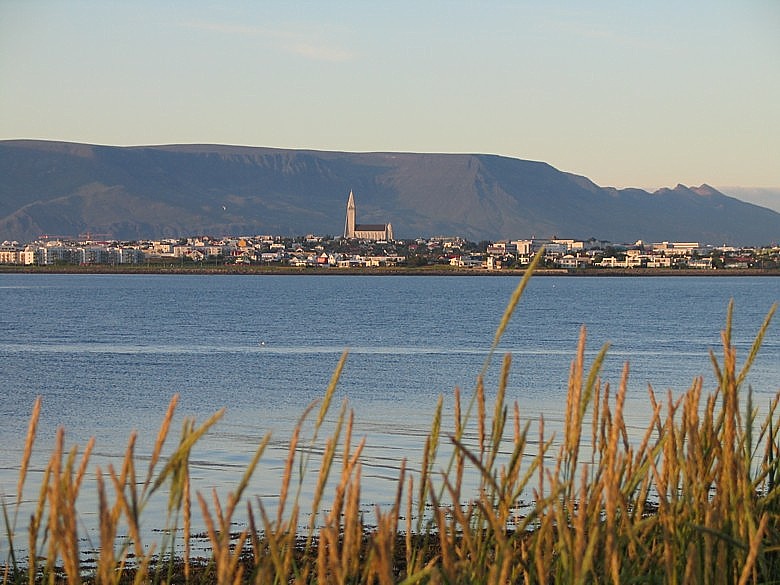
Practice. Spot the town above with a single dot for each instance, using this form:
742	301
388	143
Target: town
328	252
365	246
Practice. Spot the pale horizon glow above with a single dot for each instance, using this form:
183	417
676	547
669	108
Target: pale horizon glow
627	94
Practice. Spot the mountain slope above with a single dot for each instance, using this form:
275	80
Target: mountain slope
175	190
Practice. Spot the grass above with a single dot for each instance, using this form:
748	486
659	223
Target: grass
694	499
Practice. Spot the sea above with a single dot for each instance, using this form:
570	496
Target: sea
108	352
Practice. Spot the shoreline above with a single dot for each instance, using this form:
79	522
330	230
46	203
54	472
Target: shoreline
385	271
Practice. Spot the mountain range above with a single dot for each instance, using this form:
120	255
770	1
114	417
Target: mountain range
127	193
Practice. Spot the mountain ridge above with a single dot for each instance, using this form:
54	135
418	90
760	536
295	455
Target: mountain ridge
173	190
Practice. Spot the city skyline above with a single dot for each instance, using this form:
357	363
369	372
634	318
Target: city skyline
628	95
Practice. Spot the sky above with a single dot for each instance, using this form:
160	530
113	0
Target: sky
629	94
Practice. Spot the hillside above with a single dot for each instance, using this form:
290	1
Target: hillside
168	191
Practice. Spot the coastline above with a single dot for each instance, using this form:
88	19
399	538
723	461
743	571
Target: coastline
259	270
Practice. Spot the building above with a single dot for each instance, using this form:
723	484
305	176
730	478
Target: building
365	231
676	248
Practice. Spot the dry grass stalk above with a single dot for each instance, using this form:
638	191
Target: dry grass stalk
28	445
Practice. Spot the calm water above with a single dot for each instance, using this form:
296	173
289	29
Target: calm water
107	352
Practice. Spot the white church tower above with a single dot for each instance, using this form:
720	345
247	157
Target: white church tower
349	224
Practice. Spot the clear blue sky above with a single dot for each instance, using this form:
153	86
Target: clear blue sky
627	93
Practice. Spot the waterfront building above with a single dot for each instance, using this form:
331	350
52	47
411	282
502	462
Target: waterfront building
48	255
130	256
9	256
657	261
364	231
701	263
676	248
100	255
573	261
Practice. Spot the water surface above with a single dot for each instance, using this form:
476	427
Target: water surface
107	352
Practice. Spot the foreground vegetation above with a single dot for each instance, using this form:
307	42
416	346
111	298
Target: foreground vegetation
694	499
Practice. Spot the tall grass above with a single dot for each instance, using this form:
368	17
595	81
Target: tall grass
692	499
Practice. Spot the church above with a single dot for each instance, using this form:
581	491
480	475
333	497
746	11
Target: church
365	231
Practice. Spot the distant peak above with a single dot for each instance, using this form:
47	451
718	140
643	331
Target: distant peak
705	189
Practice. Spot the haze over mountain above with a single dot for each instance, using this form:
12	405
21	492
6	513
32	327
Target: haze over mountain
764	196
61	188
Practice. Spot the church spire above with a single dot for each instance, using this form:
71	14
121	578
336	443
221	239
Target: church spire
349	224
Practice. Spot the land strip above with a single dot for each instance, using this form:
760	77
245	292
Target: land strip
374	271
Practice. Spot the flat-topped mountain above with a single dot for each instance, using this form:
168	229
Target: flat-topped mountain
169	191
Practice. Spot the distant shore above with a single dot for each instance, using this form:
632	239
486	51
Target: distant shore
381	271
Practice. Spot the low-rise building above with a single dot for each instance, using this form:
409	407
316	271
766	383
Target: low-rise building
658	261
700	263
574	261
676	248
467	261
